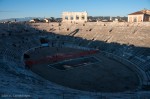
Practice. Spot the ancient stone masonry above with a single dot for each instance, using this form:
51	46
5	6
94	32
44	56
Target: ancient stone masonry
74	17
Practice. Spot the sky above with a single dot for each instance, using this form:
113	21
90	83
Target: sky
54	8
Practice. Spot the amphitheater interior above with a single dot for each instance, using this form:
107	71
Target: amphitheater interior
128	43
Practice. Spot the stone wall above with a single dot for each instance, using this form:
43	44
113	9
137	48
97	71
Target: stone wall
74	17
120	32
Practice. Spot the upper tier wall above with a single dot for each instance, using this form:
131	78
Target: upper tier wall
137	34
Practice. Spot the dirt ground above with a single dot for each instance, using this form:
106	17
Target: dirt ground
106	75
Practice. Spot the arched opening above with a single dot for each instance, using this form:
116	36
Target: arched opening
77	17
66	17
82	17
71	17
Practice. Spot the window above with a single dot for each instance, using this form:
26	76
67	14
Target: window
66	17
71	17
135	19
82	17
77	17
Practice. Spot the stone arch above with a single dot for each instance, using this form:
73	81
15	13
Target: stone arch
77	17
66	17
82	17
71	17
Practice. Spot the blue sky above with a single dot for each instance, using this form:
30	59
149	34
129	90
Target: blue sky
53	8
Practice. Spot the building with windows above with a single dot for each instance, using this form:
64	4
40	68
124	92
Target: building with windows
74	17
139	16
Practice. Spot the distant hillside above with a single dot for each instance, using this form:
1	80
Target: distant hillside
19	19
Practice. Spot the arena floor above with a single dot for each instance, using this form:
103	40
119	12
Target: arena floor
102	75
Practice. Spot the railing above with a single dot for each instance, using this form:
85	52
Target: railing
60	57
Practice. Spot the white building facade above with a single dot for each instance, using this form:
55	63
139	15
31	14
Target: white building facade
74	17
139	16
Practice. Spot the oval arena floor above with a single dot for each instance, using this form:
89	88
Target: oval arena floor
103	74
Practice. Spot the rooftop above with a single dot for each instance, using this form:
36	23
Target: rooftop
141	12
